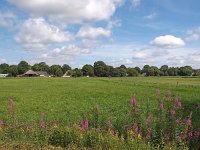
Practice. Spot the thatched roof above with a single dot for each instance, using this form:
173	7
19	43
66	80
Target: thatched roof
42	73
31	72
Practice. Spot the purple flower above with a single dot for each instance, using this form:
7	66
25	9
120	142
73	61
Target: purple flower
149	119
1	124
108	122
135	128
172	112
177	120
86	123
11	109
190	135
197	133
158	93
149	133
161	106
178	138
133	101
178	102
42	123
189	120
169	94
26	126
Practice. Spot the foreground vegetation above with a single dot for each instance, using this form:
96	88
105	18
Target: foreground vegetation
65	105
164	128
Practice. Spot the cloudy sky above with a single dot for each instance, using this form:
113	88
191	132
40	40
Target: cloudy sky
78	32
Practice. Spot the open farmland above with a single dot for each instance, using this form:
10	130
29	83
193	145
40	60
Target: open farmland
67	100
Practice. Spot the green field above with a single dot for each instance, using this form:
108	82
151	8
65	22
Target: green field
66	100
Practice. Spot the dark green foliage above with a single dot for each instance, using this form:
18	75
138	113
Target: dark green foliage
101	69
88	70
132	72
4	68
65	68
23	66
56	70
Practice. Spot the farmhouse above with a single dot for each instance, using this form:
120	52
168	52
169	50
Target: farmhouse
31	73
3	75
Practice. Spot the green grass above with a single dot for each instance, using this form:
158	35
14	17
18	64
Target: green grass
66	100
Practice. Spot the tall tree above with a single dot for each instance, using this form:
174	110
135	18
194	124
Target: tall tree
13	70
65	68
101	69
4	68
88	70
132	72
56	70
23	66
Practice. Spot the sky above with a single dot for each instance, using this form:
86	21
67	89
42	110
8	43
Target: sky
79	32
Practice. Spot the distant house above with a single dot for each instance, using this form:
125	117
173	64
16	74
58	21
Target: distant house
3	75
31	73
66	75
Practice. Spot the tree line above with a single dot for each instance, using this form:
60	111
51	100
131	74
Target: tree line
99	69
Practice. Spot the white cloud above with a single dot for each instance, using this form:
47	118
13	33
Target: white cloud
150	16
65	51
193	35
91	32
168	41
135	3
70	11
2	61
37	34
7	19
116	62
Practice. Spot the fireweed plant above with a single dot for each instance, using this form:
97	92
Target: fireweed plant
163	128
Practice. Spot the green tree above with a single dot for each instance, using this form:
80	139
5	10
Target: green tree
132	72
145	69
138	69
115	72
77	73
56	70
4	68
13	70
164	69
101	69
185	71
65	68
23	66
122	72
88	70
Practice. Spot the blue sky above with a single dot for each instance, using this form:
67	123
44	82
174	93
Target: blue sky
129	32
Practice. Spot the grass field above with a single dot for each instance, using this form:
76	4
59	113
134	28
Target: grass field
66	100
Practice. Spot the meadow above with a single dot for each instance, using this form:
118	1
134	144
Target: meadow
68	100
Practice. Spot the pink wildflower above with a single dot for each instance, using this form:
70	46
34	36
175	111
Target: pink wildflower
149	133
161	106
178	102
42	123
177	120
86	123
189	120
190	135
169	94
172	112
158	93
149	119
12	109
135	128
1	124
133	101
108	122
26	126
